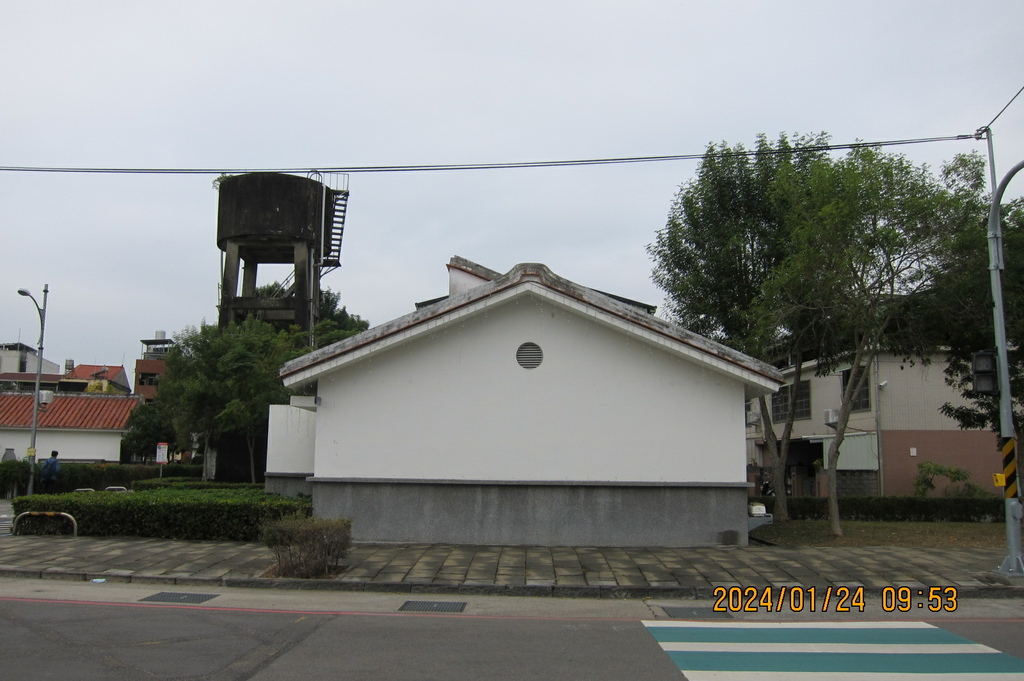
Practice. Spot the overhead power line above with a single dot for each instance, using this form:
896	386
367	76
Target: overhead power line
1005	107
472	166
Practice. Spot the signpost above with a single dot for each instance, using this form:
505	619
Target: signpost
161	456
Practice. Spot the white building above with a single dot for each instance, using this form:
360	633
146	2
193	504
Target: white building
522	408
82	427
20	358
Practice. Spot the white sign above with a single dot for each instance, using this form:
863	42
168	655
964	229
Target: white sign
161	452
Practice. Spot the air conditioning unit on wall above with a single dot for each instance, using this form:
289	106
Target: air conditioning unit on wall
831	417
753	418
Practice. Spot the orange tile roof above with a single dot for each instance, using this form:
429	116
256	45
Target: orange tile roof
96	371
81	412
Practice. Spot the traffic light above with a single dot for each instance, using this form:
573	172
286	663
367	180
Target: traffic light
986	376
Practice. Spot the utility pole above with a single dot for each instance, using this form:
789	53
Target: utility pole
39	372
1013	564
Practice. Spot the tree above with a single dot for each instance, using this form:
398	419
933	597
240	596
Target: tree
960	303
335	323
728	231
191	393
222	381
868	237
249	369
147	427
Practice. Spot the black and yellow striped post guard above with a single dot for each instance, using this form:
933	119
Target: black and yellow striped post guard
1008	446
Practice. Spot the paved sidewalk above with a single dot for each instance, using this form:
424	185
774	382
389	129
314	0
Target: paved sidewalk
585	572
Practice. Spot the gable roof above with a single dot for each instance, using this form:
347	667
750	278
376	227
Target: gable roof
96	372
76	412
536	279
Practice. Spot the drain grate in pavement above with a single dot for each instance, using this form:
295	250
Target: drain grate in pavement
683	613
433	606
173	597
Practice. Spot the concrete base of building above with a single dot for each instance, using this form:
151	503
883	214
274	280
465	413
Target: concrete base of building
288	484
540	513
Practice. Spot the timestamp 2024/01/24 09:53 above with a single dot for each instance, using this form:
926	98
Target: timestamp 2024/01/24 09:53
835	599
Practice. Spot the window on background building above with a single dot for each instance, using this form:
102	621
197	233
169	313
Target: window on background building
149	379
862	400
780	402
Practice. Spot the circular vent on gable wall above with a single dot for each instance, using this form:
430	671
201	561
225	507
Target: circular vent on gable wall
529	355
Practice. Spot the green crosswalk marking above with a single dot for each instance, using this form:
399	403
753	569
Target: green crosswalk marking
856	648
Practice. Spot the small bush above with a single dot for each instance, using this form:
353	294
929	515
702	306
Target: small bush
308	547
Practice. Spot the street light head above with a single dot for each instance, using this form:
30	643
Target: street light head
24	292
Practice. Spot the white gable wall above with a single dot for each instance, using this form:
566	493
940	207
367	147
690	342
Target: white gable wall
290	439
602	406
72	445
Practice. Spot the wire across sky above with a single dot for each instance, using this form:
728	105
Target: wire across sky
480	166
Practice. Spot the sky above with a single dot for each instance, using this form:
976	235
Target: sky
316	84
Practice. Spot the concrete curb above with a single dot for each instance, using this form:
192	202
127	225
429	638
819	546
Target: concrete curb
987	591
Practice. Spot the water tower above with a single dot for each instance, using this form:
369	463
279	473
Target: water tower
275	218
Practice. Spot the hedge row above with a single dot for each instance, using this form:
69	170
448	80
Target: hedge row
938	509
235	515
14	475
191	483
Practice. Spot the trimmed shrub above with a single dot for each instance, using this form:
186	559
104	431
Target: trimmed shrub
96	476
191	483
921	509
236	515
308	547
13	477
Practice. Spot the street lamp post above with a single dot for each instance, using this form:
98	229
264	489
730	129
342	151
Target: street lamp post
39	374
1013	564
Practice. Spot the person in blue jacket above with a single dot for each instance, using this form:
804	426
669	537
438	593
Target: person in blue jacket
49	472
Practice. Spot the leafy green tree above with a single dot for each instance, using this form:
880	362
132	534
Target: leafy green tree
249	369
869	234
147	427
960	304
728	231
192	393
222	381
335	323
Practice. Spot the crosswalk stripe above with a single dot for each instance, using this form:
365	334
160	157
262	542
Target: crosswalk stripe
881	649
839	676
756	651
679	624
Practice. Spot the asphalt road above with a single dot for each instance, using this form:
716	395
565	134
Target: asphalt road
73	630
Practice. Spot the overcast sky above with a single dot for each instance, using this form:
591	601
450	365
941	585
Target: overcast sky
258	85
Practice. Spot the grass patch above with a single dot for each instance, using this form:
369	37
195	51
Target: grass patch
862	533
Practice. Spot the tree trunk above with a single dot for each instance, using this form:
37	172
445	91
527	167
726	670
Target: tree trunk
206	459
776	460
250	440
833	487
859	370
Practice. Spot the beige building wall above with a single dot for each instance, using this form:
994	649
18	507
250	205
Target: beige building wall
903	428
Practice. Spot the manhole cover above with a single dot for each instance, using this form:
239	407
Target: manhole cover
172	597
683	613
433	606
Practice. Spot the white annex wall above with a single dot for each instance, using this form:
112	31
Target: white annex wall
601	407
290	439
72	445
